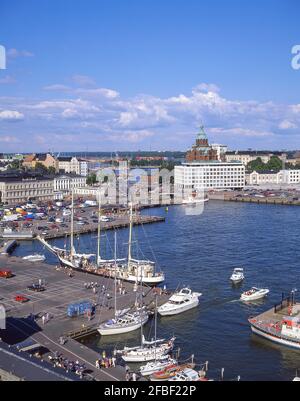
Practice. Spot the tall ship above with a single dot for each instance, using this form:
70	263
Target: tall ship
132	270
281	324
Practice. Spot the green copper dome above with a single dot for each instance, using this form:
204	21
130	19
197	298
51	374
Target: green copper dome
201	134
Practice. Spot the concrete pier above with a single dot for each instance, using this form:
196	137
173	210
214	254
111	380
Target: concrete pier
61	290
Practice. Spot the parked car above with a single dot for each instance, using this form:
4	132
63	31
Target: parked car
21	298
6	273
36	288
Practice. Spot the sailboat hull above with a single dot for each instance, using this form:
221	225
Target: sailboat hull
108	330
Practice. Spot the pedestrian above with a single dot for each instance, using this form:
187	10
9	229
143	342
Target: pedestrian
127	376
43	319
97	364
134	377
113	361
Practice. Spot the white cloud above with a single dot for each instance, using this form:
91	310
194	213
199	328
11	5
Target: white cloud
14	53
11	115
286	124
9	139
8	79
57	88
102	117
83	80
104	92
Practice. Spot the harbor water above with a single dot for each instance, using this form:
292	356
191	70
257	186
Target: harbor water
201	251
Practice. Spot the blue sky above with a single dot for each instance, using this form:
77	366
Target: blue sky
127	74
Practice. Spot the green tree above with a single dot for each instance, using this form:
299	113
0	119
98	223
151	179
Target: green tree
91	179
274	164
256	165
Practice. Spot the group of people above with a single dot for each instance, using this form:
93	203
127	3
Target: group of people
60	361
105	362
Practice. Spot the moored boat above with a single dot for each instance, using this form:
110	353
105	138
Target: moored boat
179	302
237	275
34	258
171	371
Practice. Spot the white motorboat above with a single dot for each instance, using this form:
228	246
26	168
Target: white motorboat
186	375
156	366
237	275
191	200
254	294
34	258
179	302
124	324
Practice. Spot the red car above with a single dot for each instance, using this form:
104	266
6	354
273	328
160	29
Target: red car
21	298
5	273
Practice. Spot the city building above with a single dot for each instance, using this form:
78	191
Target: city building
63	184
201	150
46	159
15	189
71	164
206	170
210	175
221	150
246	157
285	177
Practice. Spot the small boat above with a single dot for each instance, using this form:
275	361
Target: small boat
186	375
237	275
147	352
179	302
191	200
34	258
170	371
126	323
254	294
156	366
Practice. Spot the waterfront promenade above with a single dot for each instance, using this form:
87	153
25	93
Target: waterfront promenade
61	290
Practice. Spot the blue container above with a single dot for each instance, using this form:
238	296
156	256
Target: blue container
79	308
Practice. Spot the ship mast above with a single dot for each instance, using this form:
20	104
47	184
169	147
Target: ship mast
72	225
99	228
130	236
115	255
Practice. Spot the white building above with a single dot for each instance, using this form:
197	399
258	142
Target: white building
70	164
210	175
246	157
285	177
221	150
63	185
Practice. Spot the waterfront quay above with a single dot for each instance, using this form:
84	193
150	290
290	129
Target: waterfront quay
279	196
85	221
62	290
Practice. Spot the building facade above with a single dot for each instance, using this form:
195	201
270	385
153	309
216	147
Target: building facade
15	190
285	177
64	184
201	150
69	164
210	175
46	159
246	157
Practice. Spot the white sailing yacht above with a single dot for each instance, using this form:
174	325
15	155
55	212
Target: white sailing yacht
156	350
140	270
123	322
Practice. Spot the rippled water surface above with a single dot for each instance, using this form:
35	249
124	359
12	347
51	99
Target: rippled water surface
201	251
